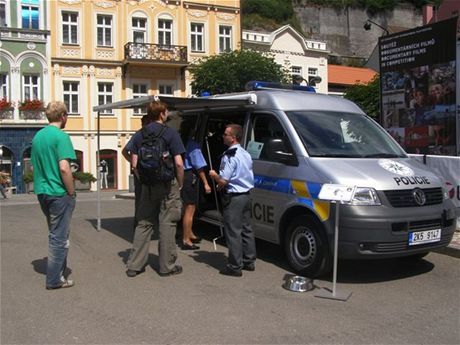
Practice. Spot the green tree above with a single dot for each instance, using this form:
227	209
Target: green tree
367	96
229	72
279	10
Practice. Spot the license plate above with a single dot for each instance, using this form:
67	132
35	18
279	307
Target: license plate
421	237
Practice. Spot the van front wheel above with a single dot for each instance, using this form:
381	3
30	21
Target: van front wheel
306	247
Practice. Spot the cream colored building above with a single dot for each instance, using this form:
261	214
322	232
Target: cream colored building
301	56
103	51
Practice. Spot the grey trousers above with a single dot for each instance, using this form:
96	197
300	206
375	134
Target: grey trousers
159	209
238	232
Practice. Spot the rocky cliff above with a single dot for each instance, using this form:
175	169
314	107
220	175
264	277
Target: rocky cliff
343	29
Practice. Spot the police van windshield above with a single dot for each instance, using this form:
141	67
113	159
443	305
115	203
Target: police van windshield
336	134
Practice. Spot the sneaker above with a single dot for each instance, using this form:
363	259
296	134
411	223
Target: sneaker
65	284
227	271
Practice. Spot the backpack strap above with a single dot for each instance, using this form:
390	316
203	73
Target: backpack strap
146	136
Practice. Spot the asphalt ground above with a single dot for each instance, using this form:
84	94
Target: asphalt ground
391	302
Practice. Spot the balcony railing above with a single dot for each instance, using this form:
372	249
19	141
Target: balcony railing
32	115
6	114
156	53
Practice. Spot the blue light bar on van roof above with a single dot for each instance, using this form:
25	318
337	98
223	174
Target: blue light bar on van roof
255	85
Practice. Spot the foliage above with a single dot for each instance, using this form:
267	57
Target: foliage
31	104
5	104
28	177
229	72
84	177
268	15
367	96
278	10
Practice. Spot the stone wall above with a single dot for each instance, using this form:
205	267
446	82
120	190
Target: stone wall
343	30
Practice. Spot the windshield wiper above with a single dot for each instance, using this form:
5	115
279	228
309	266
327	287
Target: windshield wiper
335	155
383	155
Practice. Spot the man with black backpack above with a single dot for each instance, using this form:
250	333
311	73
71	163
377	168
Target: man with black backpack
156	159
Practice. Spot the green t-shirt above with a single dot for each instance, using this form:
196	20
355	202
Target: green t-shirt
49	146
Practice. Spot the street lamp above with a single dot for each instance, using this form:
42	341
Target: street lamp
297	79
367	26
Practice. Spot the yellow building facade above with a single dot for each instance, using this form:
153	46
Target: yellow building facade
104	51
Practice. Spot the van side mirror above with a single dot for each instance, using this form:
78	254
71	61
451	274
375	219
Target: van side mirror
275	150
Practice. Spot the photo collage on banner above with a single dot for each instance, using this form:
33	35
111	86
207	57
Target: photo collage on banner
418	87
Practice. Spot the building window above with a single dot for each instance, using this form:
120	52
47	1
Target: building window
2	14
105	95
139	26
166	89
30	14
165	32
225	39
139	90
104	30
30	85
4	86
312	71
71	96
70	27
196	37
296	70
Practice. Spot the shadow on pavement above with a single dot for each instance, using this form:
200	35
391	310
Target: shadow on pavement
40	265
152	260
373	271
122	227
266	251
217	260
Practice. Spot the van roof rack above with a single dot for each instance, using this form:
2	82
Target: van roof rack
255	85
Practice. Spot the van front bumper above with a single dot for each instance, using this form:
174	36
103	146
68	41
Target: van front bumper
383	232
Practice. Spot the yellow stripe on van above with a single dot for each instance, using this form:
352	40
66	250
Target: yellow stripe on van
323	208
300	188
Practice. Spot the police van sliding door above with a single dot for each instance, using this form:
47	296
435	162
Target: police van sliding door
273	160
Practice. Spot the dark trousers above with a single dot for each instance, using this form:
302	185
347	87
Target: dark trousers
238	232
137	197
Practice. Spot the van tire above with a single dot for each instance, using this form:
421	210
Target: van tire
306	247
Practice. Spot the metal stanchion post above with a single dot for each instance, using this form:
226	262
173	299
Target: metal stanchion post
336	194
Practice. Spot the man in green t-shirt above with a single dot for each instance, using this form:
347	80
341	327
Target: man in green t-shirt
52	151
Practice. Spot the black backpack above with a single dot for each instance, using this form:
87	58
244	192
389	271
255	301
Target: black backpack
154	160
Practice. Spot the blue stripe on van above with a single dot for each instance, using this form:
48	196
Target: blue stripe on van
272	184
306	201
314	189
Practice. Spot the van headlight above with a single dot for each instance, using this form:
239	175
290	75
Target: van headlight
365	196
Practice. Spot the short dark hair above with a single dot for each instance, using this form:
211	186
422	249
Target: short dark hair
237	131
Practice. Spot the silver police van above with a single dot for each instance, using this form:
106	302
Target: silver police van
300	141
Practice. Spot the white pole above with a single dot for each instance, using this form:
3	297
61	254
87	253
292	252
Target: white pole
336	245
98	161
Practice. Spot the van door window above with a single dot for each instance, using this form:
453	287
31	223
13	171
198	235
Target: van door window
268	140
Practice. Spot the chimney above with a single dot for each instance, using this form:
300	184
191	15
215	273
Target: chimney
428	11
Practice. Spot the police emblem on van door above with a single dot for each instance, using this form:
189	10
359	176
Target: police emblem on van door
396	167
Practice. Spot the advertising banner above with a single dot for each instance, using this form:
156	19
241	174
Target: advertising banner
418	88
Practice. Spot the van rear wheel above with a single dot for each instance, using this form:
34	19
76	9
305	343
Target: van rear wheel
306	247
